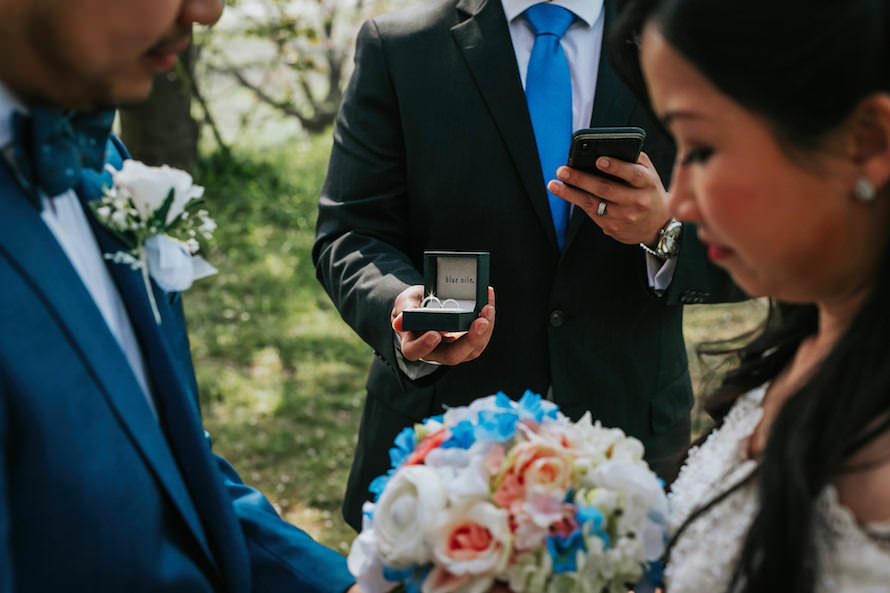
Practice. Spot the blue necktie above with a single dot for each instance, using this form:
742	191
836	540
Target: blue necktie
50	148
548	91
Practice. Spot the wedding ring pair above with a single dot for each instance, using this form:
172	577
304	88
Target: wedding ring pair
602	208
433	302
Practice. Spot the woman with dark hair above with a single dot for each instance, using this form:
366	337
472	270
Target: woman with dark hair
781	115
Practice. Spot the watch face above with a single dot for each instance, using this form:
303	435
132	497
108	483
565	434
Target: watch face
669	243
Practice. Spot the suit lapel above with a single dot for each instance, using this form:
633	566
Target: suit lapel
32	247
484	39
177	405
180	416
614	102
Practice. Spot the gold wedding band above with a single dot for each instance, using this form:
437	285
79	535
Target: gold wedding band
601	208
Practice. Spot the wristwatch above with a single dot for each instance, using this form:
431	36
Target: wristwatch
668	244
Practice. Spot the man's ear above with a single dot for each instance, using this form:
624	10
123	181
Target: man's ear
870	138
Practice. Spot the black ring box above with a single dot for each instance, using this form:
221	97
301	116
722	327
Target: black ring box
458	276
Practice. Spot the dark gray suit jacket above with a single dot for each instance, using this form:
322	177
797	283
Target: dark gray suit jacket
433	149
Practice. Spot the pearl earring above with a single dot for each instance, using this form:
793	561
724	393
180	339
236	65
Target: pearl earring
864	190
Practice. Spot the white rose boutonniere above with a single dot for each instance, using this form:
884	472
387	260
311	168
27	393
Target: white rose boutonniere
156	212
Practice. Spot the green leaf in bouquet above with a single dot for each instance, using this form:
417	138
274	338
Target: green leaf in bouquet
159	218
191	207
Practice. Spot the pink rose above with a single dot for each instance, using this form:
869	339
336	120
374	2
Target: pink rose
432	441
474	540
531	465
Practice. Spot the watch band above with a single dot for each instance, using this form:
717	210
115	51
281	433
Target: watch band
666	246
651	251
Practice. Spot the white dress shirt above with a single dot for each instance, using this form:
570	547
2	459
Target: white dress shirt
582	45
65	218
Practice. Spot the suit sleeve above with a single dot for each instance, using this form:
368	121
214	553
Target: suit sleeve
698	280
362	235
282	557
6	564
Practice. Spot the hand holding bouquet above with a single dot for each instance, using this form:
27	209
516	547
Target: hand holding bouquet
512	492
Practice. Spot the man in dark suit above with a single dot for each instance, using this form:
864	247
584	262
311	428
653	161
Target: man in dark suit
107	480
434	149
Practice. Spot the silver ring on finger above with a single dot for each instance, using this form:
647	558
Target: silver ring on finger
602	208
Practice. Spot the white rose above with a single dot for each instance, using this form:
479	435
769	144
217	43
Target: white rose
148	187
473	540
462	473
406	513
364	562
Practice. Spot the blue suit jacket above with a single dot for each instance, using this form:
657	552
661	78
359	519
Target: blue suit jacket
96	494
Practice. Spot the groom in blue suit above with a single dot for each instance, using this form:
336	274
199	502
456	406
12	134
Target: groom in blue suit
107	480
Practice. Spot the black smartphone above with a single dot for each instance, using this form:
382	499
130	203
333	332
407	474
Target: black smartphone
589	144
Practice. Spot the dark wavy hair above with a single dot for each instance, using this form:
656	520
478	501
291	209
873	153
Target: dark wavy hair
802	66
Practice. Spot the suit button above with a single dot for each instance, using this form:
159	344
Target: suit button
557	318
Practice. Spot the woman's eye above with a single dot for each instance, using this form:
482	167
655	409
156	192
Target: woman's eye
698	155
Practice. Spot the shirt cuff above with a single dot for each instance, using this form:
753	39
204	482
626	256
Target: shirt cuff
660	272
413	369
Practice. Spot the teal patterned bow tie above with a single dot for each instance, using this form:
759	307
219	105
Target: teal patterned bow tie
50	148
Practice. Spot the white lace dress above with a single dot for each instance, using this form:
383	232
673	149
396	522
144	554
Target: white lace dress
856	560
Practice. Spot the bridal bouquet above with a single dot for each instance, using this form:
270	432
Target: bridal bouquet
513	492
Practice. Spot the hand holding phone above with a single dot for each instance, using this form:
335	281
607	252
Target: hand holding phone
589	144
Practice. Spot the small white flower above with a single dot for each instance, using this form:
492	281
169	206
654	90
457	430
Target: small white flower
208	225
119	220
528	573
645	502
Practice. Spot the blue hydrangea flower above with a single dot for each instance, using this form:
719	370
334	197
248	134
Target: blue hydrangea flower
564	551
411	577
530	406
378	484
463	435
501	400
405	443
591	518
499	427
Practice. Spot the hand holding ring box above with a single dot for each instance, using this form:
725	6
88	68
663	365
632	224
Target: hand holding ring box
455	289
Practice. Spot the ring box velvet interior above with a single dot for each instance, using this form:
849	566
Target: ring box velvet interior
455	289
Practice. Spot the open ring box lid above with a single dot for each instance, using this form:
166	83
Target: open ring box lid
455	290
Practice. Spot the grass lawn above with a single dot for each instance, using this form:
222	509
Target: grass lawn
281	376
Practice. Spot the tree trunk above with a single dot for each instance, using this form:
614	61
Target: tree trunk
161	130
